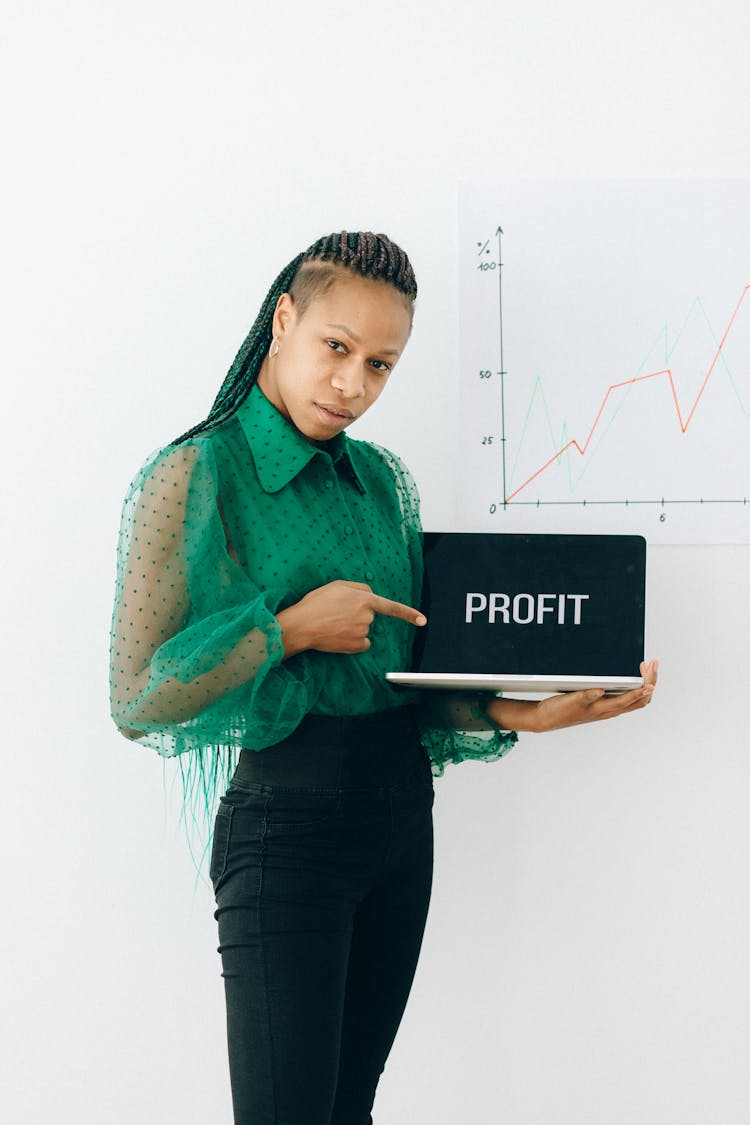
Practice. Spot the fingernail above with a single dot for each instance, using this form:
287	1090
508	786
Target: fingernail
420	619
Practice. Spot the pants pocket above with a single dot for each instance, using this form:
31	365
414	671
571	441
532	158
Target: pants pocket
298	810
220	845
279	810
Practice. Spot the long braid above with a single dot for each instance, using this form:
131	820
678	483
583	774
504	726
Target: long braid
372	255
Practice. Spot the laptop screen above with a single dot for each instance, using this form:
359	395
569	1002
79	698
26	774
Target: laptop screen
553	605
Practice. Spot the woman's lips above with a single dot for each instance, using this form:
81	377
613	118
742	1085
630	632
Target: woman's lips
332	415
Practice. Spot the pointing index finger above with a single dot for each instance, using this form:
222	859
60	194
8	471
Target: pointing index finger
397	609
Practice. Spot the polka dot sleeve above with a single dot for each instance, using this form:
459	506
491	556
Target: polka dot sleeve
193	640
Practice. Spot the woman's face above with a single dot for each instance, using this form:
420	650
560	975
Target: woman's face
334	361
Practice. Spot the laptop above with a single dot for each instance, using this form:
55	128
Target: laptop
530	613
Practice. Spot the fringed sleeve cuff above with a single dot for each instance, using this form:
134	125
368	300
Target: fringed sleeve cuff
455	728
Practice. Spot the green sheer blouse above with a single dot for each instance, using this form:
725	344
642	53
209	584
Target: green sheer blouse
221	533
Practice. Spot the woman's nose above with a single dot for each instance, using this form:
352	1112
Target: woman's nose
349	380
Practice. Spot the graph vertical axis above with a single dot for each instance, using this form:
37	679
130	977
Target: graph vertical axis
499	233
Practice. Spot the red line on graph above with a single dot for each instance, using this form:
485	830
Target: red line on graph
640	379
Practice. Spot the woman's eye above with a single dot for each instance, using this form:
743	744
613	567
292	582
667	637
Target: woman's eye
380	366
335	345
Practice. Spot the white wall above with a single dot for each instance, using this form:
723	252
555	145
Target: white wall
585	956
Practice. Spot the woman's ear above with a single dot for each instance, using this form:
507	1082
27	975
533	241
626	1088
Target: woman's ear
285	315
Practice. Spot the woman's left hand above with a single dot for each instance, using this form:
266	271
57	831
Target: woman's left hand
574	707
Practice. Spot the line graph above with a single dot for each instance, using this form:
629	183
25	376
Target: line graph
665	372
538	393
564	411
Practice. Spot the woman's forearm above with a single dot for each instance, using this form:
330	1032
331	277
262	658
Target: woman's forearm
513	714
137	701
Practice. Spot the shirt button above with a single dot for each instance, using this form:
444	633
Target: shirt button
369	575
329	484
350	529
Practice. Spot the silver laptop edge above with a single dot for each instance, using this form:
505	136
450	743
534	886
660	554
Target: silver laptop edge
533	684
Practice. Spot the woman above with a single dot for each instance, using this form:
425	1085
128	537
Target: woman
270	574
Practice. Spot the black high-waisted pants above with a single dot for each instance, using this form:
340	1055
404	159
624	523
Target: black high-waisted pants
322	868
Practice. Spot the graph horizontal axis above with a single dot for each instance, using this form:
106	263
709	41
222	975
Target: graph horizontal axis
600	503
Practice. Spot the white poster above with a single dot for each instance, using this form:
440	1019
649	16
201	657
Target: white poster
605	358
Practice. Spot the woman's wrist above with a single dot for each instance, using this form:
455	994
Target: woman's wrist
513	714
294	635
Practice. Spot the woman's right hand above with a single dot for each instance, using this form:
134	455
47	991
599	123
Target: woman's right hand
337	617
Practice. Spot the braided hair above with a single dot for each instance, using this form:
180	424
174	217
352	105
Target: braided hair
310	274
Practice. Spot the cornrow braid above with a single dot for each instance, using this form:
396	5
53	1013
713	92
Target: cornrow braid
371	255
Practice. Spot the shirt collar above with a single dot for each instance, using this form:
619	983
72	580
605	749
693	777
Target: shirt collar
279	450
